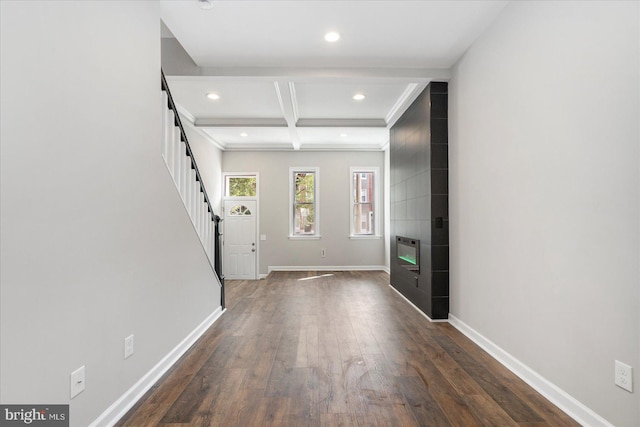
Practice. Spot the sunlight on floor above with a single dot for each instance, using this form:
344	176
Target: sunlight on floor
315	277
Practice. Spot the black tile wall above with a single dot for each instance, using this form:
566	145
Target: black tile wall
439	181
440	258
440	205
439	156
440	283
419	199
439	232
439	87
439	131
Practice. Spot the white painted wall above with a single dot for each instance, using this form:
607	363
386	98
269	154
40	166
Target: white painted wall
209	160
278	250
175	60
96	244
544	162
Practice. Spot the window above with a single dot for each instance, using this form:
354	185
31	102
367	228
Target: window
240	186
240	210
364	202
303	197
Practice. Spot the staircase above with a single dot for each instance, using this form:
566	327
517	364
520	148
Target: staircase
182	166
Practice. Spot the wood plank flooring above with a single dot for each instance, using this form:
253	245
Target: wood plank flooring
336	349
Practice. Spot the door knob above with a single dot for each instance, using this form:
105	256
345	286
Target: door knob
253	250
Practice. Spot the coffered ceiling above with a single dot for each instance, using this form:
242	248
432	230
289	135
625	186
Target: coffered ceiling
280	86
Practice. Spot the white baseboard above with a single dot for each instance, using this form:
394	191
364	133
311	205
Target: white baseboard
416	307
326	268
557	396
120	407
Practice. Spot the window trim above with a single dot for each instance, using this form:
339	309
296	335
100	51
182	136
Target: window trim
316	200
376	202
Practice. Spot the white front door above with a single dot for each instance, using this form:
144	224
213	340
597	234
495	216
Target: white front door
240	243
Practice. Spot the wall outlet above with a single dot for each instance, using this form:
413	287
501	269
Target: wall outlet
128	346
624	376
323	253
77	382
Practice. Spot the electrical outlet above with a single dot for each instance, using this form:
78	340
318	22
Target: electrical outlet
128	346
624	376
323	253
77	382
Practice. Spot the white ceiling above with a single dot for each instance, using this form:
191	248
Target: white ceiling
284	87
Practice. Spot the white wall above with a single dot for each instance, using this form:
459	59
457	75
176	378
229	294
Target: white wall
209	160
544	162
96	244
175	60
278	250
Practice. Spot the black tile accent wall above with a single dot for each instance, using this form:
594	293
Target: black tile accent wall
420	198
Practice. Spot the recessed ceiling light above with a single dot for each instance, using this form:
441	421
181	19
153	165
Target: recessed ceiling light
205	4
243	134
344	135
213	96
332	36
358	96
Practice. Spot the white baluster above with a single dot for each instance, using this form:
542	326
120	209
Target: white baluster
203	220
165	128
183	168
210	233
176	164
205	240
198	211
187	186
192	204
176	157
170	144
184	174
211	239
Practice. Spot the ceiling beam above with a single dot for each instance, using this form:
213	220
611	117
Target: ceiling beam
299	74
342	123
240	122
286	97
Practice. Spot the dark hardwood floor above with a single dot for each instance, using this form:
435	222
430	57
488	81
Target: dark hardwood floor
336	349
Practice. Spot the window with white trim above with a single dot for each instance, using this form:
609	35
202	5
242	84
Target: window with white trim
303	199
364	198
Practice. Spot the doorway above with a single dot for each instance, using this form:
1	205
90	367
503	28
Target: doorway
240	243
240	248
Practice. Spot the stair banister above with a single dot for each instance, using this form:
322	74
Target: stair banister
217	266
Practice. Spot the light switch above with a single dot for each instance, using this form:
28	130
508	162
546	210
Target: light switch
77	382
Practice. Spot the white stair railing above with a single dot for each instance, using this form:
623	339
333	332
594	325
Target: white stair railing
183	168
